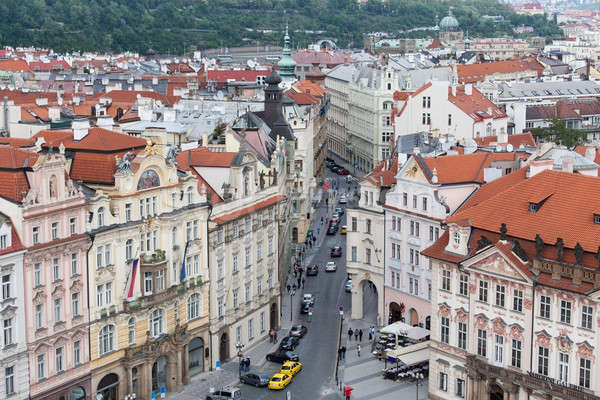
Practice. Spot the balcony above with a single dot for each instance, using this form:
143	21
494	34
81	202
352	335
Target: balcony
152	259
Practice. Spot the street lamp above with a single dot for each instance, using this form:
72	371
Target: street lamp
418	377
292	293
239	348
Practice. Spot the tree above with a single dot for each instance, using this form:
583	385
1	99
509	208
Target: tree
558	133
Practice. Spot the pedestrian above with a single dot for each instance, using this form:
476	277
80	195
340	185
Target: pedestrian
360	335
289	287
350	334
348	391
294	286
358	349
274	336
373	331
343	352
339	353
356	334
303	280
270	335
299	282
370	334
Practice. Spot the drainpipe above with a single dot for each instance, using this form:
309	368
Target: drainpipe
210	335
535	281
87	271
6	116
384	262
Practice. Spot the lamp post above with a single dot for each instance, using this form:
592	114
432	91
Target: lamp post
418	377
292	293
239	348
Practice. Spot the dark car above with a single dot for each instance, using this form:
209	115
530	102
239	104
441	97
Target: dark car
258	380
305	309
313	270
332	229
339	211
289	343
281	356
343	171
298	331
336	251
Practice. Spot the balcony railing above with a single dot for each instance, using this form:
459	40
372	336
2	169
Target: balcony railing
158	257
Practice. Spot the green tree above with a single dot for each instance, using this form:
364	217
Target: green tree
558	133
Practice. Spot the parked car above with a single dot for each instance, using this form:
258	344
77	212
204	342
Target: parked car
290	368
339	211
298	330
305	308
343	171
330	267
336	251
308	298
343	199
226	393
344	230
281	356
289	343
258	380
313	270
332	230
348	286
279	381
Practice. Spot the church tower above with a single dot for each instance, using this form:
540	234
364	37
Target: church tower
287	65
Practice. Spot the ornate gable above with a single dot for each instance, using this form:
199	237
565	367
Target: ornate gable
493	262
413	172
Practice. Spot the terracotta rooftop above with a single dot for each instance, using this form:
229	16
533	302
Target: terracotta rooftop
384	173
13	180
202	157
475	105
15	244
247	210
525	139
480	72
97	139
14	65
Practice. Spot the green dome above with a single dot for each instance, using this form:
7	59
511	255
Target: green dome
287	66
449	23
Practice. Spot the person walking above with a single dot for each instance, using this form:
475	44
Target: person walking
358	350
339	354
350	334
303	280
343	352
274	336
370	333
360	333
347	391
356	334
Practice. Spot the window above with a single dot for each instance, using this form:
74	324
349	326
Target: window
9	380
270	279
443	382
101	216
196	265
248	293
7	329
482	342
445	330
109	293
41	367
235	262
57	310
516	353
518	300
354	251
563	367
437	233
106	342
73	225
56	269
259	286
75	304
586	317
426	118
354	224
37	275
414	201
188	231
463	286
3	241
35	234
413	286
196	231
250	329
154	205
585	372
247	224
131	331
38	317
404	199
367	256
59	359
74	269
238	334
368	226
258	251
462	335
142	208
77	352
156	323
220	307
160	280
6	287
500	295
148	283
483	291
262	321
128	212
543	360
54	230
248	257
426	102
190	196
129	249
565	312
545	306
449	119
100	295
460	387
498	349
456	237
236	298
270	245
446	279
193	306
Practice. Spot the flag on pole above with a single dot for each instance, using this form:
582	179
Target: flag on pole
182	274
132	276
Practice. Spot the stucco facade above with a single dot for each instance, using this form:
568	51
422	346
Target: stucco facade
337	83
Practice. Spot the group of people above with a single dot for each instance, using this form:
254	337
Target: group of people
358	334
272	335
245	364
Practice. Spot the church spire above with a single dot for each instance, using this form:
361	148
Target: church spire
287	66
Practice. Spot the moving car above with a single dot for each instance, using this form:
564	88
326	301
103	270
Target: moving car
335	216
288	343
308	298
343	199
343	171
339	211
227	393
344	230
279	381
332	229
281	356
290	368
313	270
258	380
298	330
330	267
305	308
348	286
336	251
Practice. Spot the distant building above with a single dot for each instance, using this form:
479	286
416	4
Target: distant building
450	30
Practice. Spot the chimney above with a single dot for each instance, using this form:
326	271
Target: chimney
590	153
502	138
468	89
80	128
454	90
104	121
41	101
567	164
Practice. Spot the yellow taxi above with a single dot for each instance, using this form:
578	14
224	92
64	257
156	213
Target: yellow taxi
344	230
279	381
290	368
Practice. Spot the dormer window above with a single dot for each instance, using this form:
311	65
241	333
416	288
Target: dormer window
597	219
456	237
534	207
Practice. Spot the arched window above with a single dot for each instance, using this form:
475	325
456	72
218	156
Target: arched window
106	339
129	249
190	195
156	323
101	216
193	306
131	330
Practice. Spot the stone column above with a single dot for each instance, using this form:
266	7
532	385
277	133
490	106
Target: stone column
146	379
128	387
472	387
172	385
186	365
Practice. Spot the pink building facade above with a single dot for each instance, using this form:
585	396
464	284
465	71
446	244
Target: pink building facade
55	271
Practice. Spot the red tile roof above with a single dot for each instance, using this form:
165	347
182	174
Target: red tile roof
525	139
580	149
13	180
14	65
49	66
180	68
329	58
384	173
435	44
247	210
130	96
202	157
480	72
95	167
97	139
494	187
310	87
302	99
15	244
12	158
475	105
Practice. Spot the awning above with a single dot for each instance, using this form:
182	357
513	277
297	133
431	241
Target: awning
402	329
411	355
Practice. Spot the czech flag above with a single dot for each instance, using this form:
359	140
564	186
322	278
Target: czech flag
132	276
